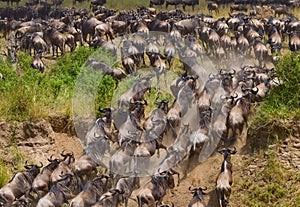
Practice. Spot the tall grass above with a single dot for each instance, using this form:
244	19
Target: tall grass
27	94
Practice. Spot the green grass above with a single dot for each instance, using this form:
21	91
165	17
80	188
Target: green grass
7	169
4	173
26	94
271	184
281	105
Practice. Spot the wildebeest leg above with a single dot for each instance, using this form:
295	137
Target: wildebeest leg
53	50
38	193
220	196
165	77
173	130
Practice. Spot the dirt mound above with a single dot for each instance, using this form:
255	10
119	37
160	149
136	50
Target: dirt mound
36	140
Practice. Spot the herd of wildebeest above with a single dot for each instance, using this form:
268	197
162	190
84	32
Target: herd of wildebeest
207	113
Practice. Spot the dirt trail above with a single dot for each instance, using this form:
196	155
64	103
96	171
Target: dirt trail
201	174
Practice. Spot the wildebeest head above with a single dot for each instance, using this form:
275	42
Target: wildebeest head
226	152
163	105
68	155
33	169
198	192
53	162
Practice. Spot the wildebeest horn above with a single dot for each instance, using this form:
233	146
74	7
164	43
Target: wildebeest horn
114	191
234	72
62	153
40	165
221	72
190	188
160	172
27	166
107	109
235	96
204	188
97	178
50	159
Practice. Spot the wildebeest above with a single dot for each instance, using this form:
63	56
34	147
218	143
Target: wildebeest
42	180
38	63
127	185
154	190
19	185
173	2
92	191
121	160
60	192
56	39
102	128
64	167
294	42
197	200
85	168
212	7
156	2
224	179
136	93
191	3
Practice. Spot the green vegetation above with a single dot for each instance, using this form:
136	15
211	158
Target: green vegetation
283	101
4	173
18	160
26	94
271	184
281	106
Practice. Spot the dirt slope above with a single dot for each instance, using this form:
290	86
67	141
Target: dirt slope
200	175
